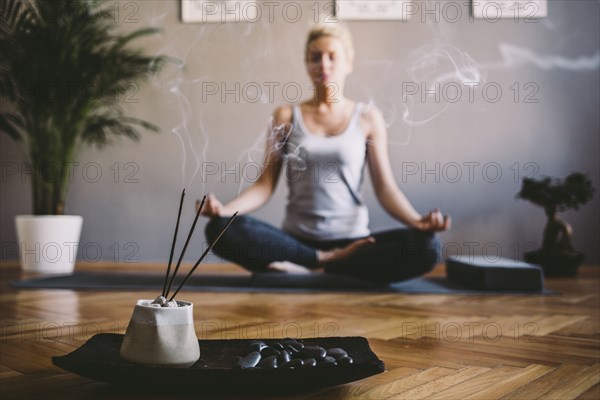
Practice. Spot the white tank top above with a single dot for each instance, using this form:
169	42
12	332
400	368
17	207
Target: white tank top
324	176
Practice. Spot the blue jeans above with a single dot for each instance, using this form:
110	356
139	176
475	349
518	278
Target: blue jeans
396	255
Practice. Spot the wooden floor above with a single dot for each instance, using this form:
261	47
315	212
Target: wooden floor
433	346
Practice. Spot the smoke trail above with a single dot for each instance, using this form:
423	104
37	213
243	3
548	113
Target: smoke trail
432	65
514	56
271	147
427	67
170	84
181	131
177	83
438	64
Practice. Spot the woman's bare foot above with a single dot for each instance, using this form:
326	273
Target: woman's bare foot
288	267
324	257
341	253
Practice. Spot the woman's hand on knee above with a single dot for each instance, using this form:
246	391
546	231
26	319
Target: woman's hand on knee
434	221
212	207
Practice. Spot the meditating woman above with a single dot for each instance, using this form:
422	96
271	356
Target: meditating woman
324	144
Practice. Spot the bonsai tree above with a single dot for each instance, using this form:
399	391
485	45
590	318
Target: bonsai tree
63	70
555	195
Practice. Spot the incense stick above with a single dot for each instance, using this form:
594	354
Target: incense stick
164	291
187	241
203	255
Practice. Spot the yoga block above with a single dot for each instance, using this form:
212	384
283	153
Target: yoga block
494	274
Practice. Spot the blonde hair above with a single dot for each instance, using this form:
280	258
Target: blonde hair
336	31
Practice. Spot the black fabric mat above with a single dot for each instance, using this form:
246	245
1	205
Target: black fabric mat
261	282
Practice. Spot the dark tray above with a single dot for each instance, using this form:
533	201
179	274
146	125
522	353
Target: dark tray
99	359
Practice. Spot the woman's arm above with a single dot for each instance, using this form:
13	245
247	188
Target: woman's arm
259	192
389	195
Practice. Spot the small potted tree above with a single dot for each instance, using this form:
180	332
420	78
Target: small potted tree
63	73
557	255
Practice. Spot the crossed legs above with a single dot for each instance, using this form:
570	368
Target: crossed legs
394	255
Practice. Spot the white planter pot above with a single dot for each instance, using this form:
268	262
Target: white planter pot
48	243
161	335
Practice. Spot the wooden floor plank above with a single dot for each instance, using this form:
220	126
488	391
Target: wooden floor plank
511	384
364	388
549	346
544	384
38	384
21	359
592	394
477	383
6	372
437	385
386	390
579	383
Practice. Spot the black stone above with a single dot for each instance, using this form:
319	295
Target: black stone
310	362
336	352
293	342
327	361
296	363
345	360
249	361
290	340
277	346
255	346
268	363
291	349
284	356
269	351
315	352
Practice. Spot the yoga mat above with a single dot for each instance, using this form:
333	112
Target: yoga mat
259	282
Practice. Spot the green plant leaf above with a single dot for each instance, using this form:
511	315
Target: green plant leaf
64	70
123	41
9	124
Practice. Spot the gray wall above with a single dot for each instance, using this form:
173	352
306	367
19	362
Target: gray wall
554	62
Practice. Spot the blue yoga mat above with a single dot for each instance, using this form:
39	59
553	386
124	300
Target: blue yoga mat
260	282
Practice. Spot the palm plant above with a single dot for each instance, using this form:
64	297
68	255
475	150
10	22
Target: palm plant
63	70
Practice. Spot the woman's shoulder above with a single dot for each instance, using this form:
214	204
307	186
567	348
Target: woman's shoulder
371	118
370	112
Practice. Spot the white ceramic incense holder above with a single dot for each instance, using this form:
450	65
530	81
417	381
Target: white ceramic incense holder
161	335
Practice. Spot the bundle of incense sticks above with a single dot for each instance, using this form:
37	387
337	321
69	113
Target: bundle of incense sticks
162	300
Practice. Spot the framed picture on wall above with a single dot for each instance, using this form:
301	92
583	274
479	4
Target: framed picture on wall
369	10
219	11
493	10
